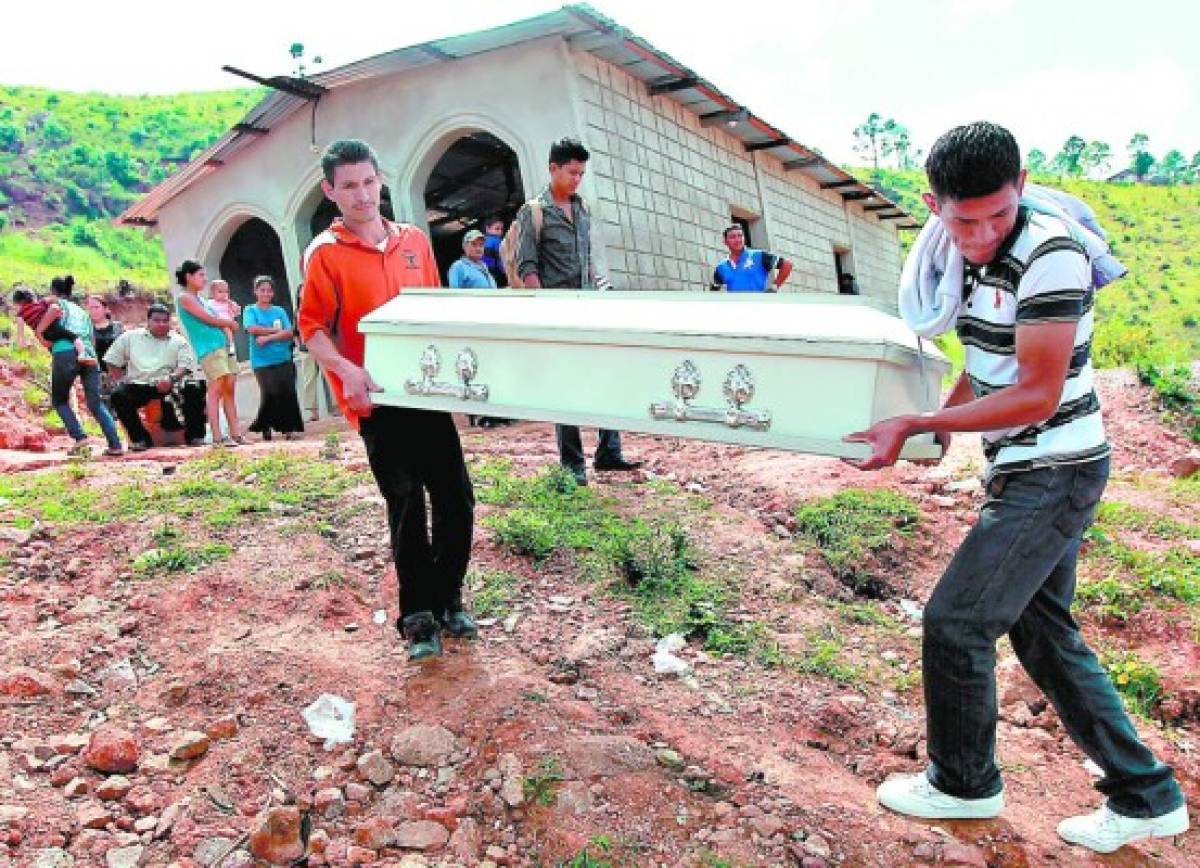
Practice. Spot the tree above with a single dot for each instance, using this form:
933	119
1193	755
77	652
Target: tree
1193	170
1035	162
1140	159
902	147
1096	157
1069	161
296	50
876	137
1173	166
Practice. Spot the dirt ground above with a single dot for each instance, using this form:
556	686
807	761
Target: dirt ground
735	763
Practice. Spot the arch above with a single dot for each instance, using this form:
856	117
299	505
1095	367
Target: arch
409	198
307	200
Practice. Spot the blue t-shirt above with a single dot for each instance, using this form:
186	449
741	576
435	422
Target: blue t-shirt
750	273
276	352
465	274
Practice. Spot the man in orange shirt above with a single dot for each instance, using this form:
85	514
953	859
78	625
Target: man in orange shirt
350	269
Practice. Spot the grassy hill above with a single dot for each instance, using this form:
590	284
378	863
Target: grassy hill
1153	314
69	162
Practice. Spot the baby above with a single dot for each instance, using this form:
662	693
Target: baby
31	310
223	305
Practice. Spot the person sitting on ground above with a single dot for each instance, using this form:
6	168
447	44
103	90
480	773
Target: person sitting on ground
155	363
207	332
223	305
33	310
470	271
747	269
271	333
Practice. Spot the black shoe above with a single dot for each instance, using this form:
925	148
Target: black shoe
618	463
421	631
457	623
196	441
580	474
139	447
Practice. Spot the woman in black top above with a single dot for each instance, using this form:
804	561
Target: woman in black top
107	330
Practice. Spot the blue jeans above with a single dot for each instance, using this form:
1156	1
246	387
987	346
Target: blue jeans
1015	574
63	370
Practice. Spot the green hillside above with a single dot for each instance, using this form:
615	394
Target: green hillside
1154	312
69	162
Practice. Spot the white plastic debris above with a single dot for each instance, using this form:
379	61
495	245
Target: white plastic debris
912	610
380	616
664	657
331	718
1092	769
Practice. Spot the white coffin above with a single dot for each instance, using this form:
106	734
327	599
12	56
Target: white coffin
793	372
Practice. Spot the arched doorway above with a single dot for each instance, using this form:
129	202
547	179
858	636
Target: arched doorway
477	177
254	249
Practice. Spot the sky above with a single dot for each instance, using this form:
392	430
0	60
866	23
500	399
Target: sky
1047	69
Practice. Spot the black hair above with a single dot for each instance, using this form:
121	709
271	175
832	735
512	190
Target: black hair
157	307
22	296
566	149
62	286
346	152
731	227
972	161
264	278
185	270
492	218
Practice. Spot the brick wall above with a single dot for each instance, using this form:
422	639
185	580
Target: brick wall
664	187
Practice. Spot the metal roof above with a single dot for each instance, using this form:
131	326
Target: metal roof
586	30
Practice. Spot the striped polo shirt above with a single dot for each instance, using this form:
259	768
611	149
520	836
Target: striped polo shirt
1040	274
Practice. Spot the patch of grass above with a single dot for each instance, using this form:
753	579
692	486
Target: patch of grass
1173	574
1135	679
328	579
1114	514
492	592
179	558
823	659
589	856
854	526
542	786
866	614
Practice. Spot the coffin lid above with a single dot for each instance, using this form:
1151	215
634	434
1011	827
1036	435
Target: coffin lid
792	324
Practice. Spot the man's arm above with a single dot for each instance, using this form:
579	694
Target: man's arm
356	382
718	283
527	249
783	272
116	373
1043	356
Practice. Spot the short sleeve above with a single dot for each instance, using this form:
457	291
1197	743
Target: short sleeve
118	353
1056	286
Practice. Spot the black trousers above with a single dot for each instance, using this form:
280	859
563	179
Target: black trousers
128	398
570	447
414	453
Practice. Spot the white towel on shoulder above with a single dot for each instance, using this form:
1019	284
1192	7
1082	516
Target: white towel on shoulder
931	283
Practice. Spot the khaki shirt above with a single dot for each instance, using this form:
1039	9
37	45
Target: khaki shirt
147	359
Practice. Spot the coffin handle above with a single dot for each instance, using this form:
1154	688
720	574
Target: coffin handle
466	365
738	389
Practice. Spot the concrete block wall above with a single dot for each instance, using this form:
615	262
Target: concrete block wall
664	187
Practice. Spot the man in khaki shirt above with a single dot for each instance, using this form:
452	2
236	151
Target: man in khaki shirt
156	364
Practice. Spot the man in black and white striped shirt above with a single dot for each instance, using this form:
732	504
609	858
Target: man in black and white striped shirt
1026	323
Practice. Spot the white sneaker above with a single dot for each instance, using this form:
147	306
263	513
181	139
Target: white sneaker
915	796
1105	830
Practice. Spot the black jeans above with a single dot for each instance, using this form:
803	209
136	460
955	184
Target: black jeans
570	447
129	398
414	452
1015	574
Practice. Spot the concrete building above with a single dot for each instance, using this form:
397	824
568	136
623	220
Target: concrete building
463	126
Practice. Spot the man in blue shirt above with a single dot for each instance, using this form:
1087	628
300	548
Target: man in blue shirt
470	272
746	269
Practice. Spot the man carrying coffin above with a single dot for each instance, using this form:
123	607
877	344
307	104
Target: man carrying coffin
356	265
1025	318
